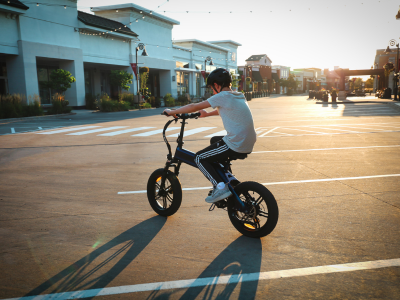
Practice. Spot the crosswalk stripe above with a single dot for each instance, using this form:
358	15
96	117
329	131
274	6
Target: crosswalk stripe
96	130
123	131
223	132
192	131
153	132
67	130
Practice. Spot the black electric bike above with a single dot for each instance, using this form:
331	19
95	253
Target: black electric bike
252	208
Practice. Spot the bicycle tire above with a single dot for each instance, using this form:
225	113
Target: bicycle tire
169	203
262	206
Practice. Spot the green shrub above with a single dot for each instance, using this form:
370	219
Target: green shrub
60	105
146	105
182	100
91	102
169	100
14	106
127	97
33	108
109	105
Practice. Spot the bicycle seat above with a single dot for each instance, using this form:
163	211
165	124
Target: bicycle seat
237	156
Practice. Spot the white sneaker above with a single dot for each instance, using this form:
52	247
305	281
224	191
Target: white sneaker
217	195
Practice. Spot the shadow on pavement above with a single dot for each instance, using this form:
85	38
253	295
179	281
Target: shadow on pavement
242	256
97	269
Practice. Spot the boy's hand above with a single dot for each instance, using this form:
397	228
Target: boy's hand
168	112
203	113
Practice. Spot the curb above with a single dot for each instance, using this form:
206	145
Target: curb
36	117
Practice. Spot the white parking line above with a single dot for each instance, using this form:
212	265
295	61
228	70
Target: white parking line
212	281
192	131
155	131
67	130
324	149
304	130
96	130
269	131
123	131
334	129
223	132
281	182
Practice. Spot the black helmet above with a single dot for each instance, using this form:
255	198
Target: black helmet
221	77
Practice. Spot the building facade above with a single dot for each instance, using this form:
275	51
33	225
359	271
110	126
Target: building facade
382	58
258	69
40	38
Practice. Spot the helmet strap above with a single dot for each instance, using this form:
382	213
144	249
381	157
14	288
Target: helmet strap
216	89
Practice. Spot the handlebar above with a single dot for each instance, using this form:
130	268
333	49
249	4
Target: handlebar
184	116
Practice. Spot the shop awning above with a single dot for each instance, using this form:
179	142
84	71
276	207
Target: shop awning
257	76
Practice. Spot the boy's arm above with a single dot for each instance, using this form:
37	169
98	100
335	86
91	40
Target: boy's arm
190	108
204	113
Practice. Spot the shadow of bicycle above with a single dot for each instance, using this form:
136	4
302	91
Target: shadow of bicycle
97	269
242	256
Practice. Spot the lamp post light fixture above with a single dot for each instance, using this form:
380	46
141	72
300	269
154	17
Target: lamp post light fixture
140	46
208	58
396	68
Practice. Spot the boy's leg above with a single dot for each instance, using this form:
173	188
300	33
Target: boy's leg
215	139
218	151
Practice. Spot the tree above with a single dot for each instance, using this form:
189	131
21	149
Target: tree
358	84
369	83
121	79
389	67
235	81
144	76
60	80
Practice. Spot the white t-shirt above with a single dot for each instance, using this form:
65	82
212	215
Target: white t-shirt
237	119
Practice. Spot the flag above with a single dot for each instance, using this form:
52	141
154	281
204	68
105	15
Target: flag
204	74
134	68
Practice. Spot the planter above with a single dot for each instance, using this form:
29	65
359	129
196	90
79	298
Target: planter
342	95
135	99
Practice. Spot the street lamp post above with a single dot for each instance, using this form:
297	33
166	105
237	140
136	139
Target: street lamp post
396	68
141	46
208	58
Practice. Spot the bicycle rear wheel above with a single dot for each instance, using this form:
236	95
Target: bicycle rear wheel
263	210
167	201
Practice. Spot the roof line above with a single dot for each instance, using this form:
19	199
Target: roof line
202	43
137	8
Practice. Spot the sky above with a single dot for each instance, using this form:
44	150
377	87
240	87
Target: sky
293	33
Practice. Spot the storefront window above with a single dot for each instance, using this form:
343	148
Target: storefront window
3	79
199	78
182	64
43	77
182	82
210	68
88	82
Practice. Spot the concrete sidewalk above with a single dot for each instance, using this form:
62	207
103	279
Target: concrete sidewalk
366	99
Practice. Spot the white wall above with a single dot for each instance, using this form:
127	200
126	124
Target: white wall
52	25
8	33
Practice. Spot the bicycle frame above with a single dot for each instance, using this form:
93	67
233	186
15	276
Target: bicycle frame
186	156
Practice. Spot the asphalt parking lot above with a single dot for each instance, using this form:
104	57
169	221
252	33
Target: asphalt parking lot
75	221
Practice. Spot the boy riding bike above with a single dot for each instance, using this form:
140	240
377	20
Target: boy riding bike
238	123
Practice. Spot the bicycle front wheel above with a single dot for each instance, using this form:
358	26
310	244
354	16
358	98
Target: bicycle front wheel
262	215
164	201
